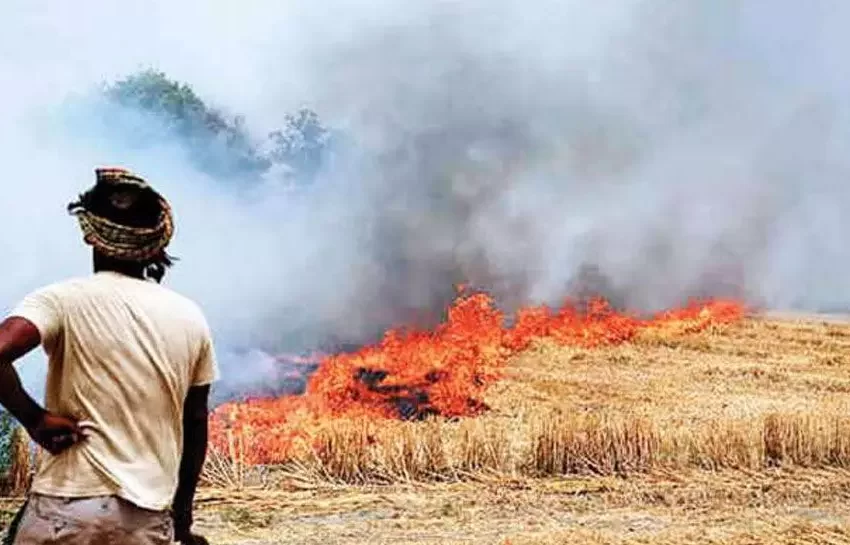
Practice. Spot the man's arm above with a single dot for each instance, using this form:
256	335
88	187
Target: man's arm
18	337
195	430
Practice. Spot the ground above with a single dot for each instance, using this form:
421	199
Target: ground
776	507
731	435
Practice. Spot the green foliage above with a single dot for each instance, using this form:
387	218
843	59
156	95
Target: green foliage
219	144
302	144
7	427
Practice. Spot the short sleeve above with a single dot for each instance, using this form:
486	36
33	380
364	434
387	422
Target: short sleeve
44	310
206	367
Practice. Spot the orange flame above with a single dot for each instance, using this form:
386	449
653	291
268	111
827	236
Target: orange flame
441	372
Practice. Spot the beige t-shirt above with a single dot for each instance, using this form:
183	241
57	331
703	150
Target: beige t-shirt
123	354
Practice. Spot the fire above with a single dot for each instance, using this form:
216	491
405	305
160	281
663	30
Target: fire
444	372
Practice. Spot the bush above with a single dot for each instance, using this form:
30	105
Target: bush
7	428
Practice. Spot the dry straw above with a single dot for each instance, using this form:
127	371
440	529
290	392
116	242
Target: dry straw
362	452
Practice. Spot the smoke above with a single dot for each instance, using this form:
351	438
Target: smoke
677	147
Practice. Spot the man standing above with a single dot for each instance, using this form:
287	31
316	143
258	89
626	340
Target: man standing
130	368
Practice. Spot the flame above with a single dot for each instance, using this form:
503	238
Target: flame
414	374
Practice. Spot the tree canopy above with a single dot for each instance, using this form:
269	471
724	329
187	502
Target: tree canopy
220	144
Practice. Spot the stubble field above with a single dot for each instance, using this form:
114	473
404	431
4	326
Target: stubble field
736	434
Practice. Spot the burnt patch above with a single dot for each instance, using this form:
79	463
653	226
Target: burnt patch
409	401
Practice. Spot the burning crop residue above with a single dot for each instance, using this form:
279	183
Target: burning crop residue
445	372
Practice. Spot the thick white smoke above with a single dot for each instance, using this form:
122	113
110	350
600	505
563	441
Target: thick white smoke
682	147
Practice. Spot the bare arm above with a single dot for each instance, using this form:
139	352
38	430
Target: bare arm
195	431
18	337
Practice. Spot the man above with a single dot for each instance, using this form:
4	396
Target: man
130	368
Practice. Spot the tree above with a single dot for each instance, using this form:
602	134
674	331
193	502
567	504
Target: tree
302	144
218	144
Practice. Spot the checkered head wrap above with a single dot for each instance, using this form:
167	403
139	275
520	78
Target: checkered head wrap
119	190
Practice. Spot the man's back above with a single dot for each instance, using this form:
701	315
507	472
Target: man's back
123	354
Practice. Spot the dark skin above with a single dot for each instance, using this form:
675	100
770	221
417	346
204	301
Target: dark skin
57	433
195	431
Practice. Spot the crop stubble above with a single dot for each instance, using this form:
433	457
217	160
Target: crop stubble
737	434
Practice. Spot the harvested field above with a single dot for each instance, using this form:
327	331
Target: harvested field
736	434
788	506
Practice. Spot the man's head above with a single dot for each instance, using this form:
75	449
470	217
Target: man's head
127	223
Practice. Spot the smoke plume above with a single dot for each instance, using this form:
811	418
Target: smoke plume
672	148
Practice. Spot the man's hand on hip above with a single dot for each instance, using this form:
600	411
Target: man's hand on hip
55	433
